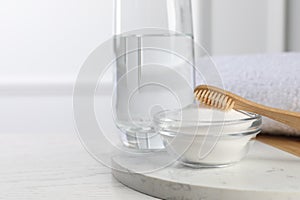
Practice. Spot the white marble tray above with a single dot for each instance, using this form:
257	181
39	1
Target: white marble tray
266	173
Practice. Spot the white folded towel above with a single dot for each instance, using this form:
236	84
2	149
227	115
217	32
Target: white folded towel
272	80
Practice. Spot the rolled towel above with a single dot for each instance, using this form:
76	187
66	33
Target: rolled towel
272	80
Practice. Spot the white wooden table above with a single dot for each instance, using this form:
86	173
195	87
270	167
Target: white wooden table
54	166
41	156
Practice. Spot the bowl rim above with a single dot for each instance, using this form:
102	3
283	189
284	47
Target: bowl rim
249	116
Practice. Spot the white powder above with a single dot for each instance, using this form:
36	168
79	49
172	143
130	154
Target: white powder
208	136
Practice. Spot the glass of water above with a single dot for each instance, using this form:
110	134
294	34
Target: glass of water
154	70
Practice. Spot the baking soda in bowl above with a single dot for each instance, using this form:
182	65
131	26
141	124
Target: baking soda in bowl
201	136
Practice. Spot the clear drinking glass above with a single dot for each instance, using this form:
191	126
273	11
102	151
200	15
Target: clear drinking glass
154	66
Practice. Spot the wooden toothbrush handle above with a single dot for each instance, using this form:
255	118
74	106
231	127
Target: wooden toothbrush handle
286	117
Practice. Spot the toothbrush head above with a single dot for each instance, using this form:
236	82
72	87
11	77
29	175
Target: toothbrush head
214	97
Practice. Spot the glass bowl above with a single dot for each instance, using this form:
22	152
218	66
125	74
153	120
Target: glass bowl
205	137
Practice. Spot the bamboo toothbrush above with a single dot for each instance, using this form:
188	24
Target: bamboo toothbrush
224	100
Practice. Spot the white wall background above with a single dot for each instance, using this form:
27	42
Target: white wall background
48	40
243	26
293	25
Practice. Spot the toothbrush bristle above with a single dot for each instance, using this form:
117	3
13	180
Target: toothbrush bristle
215	99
